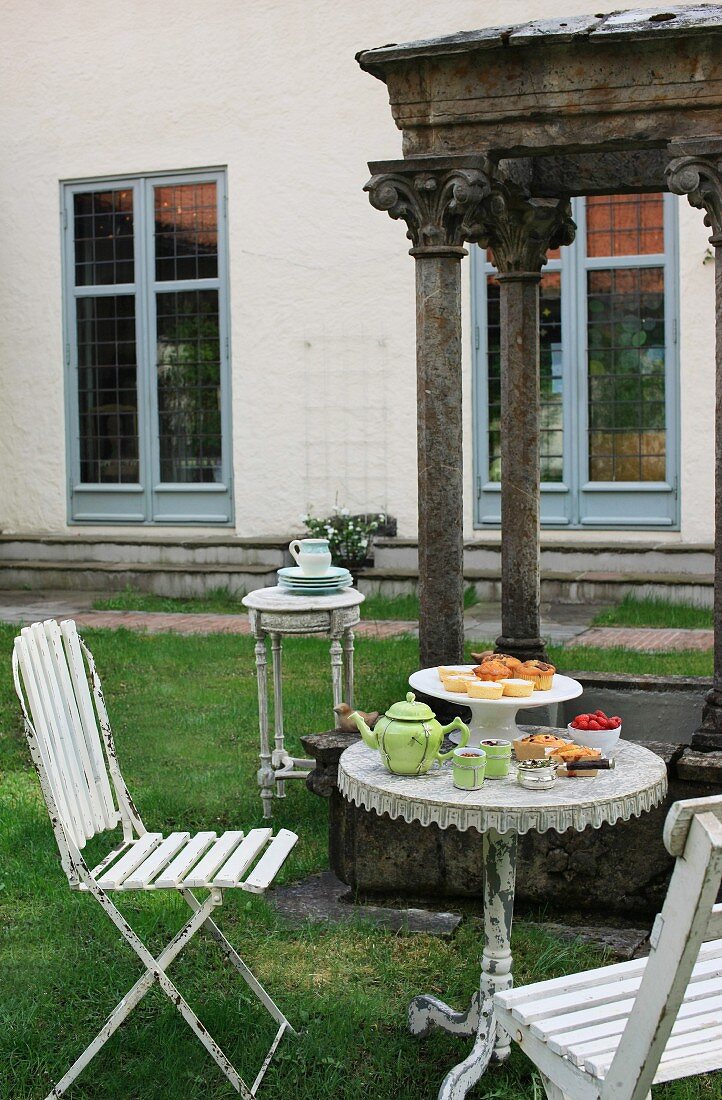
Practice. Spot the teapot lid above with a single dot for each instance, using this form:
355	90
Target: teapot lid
417	712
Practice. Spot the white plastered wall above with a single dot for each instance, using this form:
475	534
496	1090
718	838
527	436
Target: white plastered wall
322	288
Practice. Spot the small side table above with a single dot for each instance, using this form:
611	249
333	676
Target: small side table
278	612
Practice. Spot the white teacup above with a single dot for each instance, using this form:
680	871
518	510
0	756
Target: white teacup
312	556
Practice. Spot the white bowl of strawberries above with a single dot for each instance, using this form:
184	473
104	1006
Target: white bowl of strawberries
596	730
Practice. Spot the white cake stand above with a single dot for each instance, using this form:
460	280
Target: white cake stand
493	718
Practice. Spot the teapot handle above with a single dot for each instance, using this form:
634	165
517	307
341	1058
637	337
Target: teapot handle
457	724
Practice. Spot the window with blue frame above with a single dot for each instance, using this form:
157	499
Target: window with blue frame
608	370
147	349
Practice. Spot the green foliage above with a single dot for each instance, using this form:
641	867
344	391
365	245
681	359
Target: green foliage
655	613
348	536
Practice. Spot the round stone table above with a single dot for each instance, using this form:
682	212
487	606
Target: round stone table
501	811
276	612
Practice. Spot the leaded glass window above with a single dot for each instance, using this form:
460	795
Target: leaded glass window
147	347
607	368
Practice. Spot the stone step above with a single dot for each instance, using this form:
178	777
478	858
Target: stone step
163	579
567	557
592	586
271	552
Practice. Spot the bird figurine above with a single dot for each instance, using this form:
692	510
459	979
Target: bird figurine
479	657
342	712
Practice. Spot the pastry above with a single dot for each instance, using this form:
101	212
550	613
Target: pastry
445	671
512	663
486	689
492	670
457	684
519	689
547	740
540	673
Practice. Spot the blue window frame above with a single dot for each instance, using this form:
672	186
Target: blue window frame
145	266
608	370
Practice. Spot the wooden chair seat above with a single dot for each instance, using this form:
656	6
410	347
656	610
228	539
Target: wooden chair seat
181	861
582	1017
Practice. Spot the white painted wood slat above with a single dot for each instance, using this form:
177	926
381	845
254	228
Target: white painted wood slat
118	873
270	862
42	738
232	870
215	857
55	755
174	872
71	720
155	862
87	738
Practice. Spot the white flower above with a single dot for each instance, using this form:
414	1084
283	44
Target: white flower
344	511
364	543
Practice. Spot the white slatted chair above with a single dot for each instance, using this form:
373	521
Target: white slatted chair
85	795
614	1032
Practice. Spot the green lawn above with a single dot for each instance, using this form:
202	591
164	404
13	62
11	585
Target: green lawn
221	601
184	714
660	613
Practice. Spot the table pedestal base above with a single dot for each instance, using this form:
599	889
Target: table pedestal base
491	1042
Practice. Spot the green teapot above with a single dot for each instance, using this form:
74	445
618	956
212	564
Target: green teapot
409	737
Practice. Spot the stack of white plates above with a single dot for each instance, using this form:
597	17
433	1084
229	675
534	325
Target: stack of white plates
333	580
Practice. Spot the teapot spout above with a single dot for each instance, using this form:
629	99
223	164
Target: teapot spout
367	734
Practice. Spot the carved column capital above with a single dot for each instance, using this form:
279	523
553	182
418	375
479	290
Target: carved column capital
699	177
439	198
520	230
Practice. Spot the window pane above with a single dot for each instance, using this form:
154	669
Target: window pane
189	386
626	365
551	380
107	394
103	232
186	231
625	225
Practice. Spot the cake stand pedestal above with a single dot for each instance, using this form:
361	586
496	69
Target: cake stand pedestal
493	719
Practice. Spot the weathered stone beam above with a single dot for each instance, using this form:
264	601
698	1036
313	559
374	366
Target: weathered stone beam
606	173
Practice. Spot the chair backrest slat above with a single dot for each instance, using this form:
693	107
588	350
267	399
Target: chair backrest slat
64	730
71	766
83	713
47	729
676	939
41	739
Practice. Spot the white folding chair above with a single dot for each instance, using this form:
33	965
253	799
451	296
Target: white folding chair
612	1033
85	795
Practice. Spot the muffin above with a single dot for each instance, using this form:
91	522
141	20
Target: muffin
540	673
486	689
517	688
512	663
491	670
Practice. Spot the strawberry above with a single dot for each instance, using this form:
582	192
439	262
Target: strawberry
600	714
617	721
593	725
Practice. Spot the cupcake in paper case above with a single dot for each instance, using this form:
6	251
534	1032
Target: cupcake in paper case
541	674
492	670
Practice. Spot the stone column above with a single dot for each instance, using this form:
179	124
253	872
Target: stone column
439	199
519	232
696	171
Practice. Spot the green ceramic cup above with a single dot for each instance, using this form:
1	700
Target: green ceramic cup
468	768
498	757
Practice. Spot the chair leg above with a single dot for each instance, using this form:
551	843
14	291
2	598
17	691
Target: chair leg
155	971
248	976
552	1090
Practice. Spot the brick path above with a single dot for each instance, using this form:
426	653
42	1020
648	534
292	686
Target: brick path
161	622
644	638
